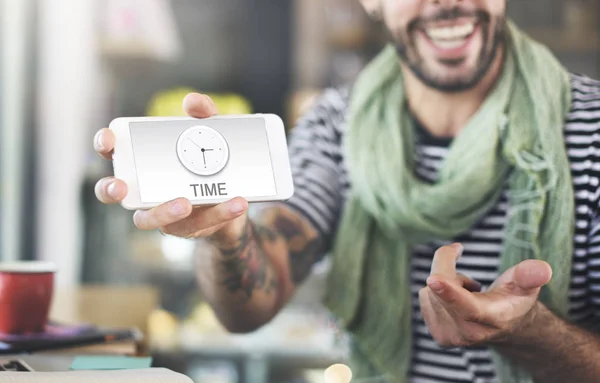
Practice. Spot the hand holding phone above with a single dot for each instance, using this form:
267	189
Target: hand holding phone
162	171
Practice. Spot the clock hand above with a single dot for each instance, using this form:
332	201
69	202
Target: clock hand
204	156
195	144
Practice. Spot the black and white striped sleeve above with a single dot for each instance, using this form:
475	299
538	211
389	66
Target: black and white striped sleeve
584	143
316	162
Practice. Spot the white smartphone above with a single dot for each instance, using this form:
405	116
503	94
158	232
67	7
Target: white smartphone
207	161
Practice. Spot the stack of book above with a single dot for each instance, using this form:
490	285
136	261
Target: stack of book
75	340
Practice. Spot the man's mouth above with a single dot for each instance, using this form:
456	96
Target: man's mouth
450	36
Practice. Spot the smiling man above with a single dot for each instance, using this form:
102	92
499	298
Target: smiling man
454	186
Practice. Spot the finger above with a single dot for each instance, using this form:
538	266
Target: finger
163	215
207	218
444	260
110	190
454	297
430	310
104	143
199	105
532	274
468	283
526	278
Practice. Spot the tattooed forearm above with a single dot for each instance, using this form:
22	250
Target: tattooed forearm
245	267
246	263
248	276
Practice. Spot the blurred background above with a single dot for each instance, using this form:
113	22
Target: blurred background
68	67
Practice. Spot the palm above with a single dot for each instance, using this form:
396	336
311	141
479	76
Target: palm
504	304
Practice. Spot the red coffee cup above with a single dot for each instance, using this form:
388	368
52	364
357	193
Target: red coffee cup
25	295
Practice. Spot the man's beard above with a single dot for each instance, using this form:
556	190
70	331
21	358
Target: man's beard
409	54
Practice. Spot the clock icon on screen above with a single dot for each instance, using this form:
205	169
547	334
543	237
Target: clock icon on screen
202	150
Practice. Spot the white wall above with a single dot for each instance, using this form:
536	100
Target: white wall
15	17
70	76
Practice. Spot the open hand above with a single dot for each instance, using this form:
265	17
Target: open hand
459	315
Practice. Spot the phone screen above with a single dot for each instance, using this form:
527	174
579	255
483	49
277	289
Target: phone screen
202	159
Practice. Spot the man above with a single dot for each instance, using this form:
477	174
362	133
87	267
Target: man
463	136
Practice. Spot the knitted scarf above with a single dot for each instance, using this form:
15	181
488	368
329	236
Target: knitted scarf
516	137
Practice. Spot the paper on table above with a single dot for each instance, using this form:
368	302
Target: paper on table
109	362
148	375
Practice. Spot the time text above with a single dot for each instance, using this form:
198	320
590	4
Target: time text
209	190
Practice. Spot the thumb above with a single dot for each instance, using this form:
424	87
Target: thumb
199	105
529	275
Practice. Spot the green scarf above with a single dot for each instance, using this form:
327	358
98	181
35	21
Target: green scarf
516	137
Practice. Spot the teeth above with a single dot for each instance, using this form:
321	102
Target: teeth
448	44
451	33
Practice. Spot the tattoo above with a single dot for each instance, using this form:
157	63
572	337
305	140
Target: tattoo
245	267
303	250
266	233
242	242
273	285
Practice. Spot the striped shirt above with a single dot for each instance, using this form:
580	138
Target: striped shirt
322	185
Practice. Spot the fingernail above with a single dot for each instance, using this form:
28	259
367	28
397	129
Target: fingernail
236	208
178	209
98	141
112	190
437	286
459	249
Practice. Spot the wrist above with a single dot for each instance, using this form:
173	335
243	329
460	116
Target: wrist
525	332
233	236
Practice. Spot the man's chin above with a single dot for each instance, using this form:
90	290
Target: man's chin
453	80
449	75
456	73
450	64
